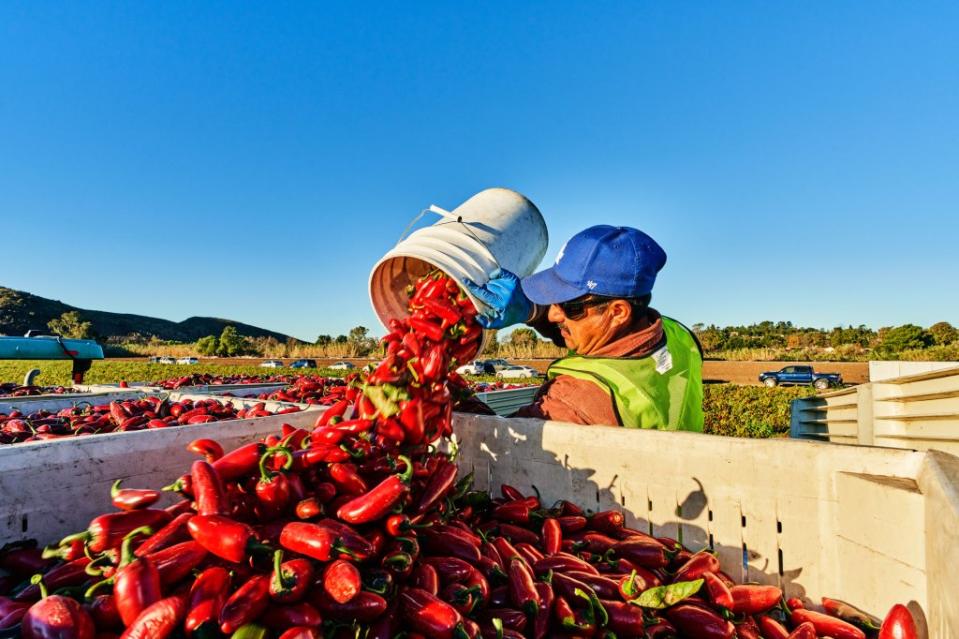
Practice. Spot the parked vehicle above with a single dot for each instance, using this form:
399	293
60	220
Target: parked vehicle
477	367
166	360
304	363
187	360
498	364
341	366
800	376
518	372
272	363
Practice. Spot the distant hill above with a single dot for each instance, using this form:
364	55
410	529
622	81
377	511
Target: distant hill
21	311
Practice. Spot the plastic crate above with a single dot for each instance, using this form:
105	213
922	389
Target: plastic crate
872	526
869	525
506	402
915	412
48	489
30	403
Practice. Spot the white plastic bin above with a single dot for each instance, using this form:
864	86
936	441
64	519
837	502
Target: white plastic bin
872	526
49	489
869	525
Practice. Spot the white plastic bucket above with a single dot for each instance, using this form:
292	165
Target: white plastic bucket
495	229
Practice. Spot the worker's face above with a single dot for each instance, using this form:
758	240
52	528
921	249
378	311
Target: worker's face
588	332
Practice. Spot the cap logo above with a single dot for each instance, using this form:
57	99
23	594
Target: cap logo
590	284
562	251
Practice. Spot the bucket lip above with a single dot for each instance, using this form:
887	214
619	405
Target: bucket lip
396	254
487	334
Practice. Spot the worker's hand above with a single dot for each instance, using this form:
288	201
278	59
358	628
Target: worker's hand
505	298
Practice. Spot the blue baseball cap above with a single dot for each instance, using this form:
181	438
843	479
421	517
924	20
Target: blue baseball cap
612	261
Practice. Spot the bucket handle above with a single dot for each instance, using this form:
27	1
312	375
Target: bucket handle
458	219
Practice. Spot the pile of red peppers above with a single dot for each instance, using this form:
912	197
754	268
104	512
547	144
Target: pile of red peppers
310	390
120	416
361	528
208	379
12	389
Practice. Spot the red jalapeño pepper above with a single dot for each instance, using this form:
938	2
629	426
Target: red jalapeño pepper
341	581
699	623
313	540
208	449
522	587
132	498
898	624
208	491
136	584
159	621
378	502
24	559
207	596
700	563
242	461
224	537
805	630
173	532
430	615
346	477
246	604
552	536
770	628
107	531
753	599
720	595
56	616
178	561
72	573
826	625
290	580
273	489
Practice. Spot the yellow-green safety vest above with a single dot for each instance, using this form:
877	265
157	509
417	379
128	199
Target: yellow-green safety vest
663	390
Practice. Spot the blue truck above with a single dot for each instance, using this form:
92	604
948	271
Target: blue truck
800	376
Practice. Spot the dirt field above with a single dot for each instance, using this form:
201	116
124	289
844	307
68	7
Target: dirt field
713	370
747	373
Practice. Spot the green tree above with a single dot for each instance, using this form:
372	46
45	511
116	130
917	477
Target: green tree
905	337
207	345
523	337
492	346
324	340
360	342
342	339
232	343
943	333
70	324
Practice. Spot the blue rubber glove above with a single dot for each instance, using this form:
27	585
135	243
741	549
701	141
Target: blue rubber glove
505	298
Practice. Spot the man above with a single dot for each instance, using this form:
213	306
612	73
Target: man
629	365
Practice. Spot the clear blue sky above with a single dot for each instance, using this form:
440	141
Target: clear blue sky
798	162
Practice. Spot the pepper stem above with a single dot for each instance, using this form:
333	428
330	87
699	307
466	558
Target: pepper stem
37	580
95	587
346	551
69	539
115	488
175	487
407	474
49	552
266	474
126	552
278	583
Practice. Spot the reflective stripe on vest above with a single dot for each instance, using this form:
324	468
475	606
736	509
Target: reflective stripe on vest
663	390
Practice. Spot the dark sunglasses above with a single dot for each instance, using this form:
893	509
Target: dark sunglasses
578	308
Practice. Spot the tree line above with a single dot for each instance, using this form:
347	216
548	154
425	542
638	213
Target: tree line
763	340
885	341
